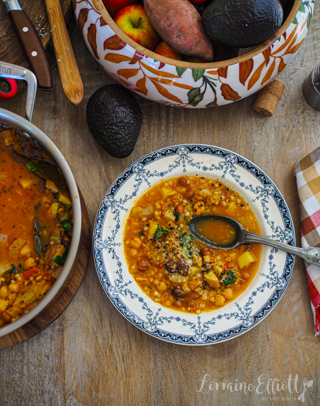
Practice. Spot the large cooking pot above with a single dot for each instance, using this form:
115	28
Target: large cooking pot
17	122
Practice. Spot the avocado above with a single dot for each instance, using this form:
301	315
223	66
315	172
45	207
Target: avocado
242	23
114	118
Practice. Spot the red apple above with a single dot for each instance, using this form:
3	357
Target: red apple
134	22
165	50
113	6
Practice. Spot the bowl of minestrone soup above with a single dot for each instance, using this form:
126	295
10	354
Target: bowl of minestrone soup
40	221
171	285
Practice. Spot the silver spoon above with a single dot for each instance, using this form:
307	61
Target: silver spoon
241	236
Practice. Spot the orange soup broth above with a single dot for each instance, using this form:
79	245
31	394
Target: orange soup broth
217	231
26	274
170	268
16	219
20	192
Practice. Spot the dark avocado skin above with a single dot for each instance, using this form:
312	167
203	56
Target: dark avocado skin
114	119
242	23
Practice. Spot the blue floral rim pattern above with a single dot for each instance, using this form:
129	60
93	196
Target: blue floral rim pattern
176	327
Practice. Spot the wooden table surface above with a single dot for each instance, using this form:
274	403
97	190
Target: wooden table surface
91	355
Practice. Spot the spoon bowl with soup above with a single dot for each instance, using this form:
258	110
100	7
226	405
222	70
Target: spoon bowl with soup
224	232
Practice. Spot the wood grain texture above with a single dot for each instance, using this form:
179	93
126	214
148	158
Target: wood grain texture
64	296
68	69
10	48
91	355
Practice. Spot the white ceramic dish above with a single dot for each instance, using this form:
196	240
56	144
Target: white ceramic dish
250	307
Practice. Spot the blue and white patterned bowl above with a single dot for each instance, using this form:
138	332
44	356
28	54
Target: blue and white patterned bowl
250	307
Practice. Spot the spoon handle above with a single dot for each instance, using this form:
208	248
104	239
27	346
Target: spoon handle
311	254
68	69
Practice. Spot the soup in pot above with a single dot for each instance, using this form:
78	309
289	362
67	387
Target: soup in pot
35	223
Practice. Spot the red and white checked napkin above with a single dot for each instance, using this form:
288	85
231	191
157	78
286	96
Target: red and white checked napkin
307	172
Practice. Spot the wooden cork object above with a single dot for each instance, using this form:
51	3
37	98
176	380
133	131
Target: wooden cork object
268	98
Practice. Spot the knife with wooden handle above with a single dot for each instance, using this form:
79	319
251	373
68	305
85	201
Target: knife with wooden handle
30	43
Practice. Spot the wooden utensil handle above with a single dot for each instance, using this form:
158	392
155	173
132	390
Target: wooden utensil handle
67	65
32	47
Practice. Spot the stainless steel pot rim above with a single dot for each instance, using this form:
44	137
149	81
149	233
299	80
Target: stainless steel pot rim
15	121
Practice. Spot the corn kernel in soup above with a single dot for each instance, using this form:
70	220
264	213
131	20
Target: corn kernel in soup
170	266
35	224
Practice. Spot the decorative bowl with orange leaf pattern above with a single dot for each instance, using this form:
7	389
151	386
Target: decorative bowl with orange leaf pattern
185	84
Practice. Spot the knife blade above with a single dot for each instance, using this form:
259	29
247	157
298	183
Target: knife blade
30	43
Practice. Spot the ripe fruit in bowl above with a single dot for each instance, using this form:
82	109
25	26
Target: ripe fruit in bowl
242	23
179	24
165	50
114	6
134	22
190	84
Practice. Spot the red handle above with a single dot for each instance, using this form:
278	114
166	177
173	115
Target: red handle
32	47
12	88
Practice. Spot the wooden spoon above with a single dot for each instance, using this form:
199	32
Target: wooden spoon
68	69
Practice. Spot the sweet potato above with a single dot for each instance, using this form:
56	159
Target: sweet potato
179	24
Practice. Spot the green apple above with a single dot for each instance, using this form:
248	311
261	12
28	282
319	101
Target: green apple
134	22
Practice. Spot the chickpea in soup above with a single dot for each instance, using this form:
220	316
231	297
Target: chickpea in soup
35	224
173	268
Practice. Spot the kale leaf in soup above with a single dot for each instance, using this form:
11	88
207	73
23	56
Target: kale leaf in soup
35	223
